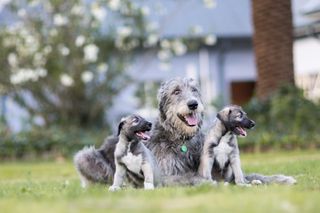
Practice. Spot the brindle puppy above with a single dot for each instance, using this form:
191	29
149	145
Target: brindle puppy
132	158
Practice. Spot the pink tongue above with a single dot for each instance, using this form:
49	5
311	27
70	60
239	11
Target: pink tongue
143	135
242	131
191	120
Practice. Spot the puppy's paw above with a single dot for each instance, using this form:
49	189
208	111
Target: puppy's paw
226	183
148	186
256	182
114	188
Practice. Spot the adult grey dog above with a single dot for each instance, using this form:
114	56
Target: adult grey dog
132	159
176	140
220	157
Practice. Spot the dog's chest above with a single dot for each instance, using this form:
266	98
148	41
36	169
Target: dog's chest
223	150
132	162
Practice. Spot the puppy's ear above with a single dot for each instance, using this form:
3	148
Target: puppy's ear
120	126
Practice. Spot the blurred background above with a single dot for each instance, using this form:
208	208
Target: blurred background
71	69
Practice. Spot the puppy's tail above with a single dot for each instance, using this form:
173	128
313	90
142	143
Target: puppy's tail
277	179
92	166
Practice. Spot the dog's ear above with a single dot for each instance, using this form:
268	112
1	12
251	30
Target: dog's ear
162	106
120	126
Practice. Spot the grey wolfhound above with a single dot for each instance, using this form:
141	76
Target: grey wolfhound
176	140
132	159
220	157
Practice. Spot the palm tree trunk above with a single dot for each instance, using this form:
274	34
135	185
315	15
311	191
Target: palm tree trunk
273	40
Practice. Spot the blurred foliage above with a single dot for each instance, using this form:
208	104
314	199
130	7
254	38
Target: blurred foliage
50	143
286	120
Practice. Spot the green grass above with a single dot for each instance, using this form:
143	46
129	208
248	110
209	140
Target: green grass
54	187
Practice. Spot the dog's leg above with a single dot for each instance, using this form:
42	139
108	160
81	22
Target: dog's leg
148	176
205	168
118	177
228	176
237	171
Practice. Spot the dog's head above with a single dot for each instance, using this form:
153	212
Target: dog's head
134	127
235	120
180	106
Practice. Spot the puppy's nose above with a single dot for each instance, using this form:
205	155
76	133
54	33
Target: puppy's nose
149	124
252	123
192	105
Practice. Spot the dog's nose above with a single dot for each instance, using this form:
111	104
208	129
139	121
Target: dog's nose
252	123
149	124
193	104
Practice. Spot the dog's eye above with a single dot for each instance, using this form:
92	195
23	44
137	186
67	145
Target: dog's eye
135	120
177	91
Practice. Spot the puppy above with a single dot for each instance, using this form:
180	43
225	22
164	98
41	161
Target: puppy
132	159
220	158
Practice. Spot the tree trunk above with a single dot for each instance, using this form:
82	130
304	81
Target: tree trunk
273	40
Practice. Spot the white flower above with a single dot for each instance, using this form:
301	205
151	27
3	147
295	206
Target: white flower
23	75
165	66
124	31
152	39
59	20
13	59
91	53
114	4
41	72
98	12
165	44
53	32
210	3
66	80
102	68
77	10
164	55
210	40
179	48
87	76
197	29
64	50
22	13
47	49
80	40
145	10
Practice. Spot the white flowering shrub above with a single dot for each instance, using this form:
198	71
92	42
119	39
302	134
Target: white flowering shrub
64	61
61	61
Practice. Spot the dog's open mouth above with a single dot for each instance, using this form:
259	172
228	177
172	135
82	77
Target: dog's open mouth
190	119
240	131
143	135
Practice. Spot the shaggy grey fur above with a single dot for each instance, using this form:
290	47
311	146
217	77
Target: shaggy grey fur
132	158
220	158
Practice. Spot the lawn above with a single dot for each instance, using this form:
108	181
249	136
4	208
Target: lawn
54	187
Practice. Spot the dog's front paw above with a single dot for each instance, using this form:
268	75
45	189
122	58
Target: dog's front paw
148	186
114	188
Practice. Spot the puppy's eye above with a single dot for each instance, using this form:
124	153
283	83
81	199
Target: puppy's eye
135	120
177	91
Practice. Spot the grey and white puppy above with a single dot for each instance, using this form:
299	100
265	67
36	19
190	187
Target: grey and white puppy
220	158
132	159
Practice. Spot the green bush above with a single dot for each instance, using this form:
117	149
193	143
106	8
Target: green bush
287	120
49	143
